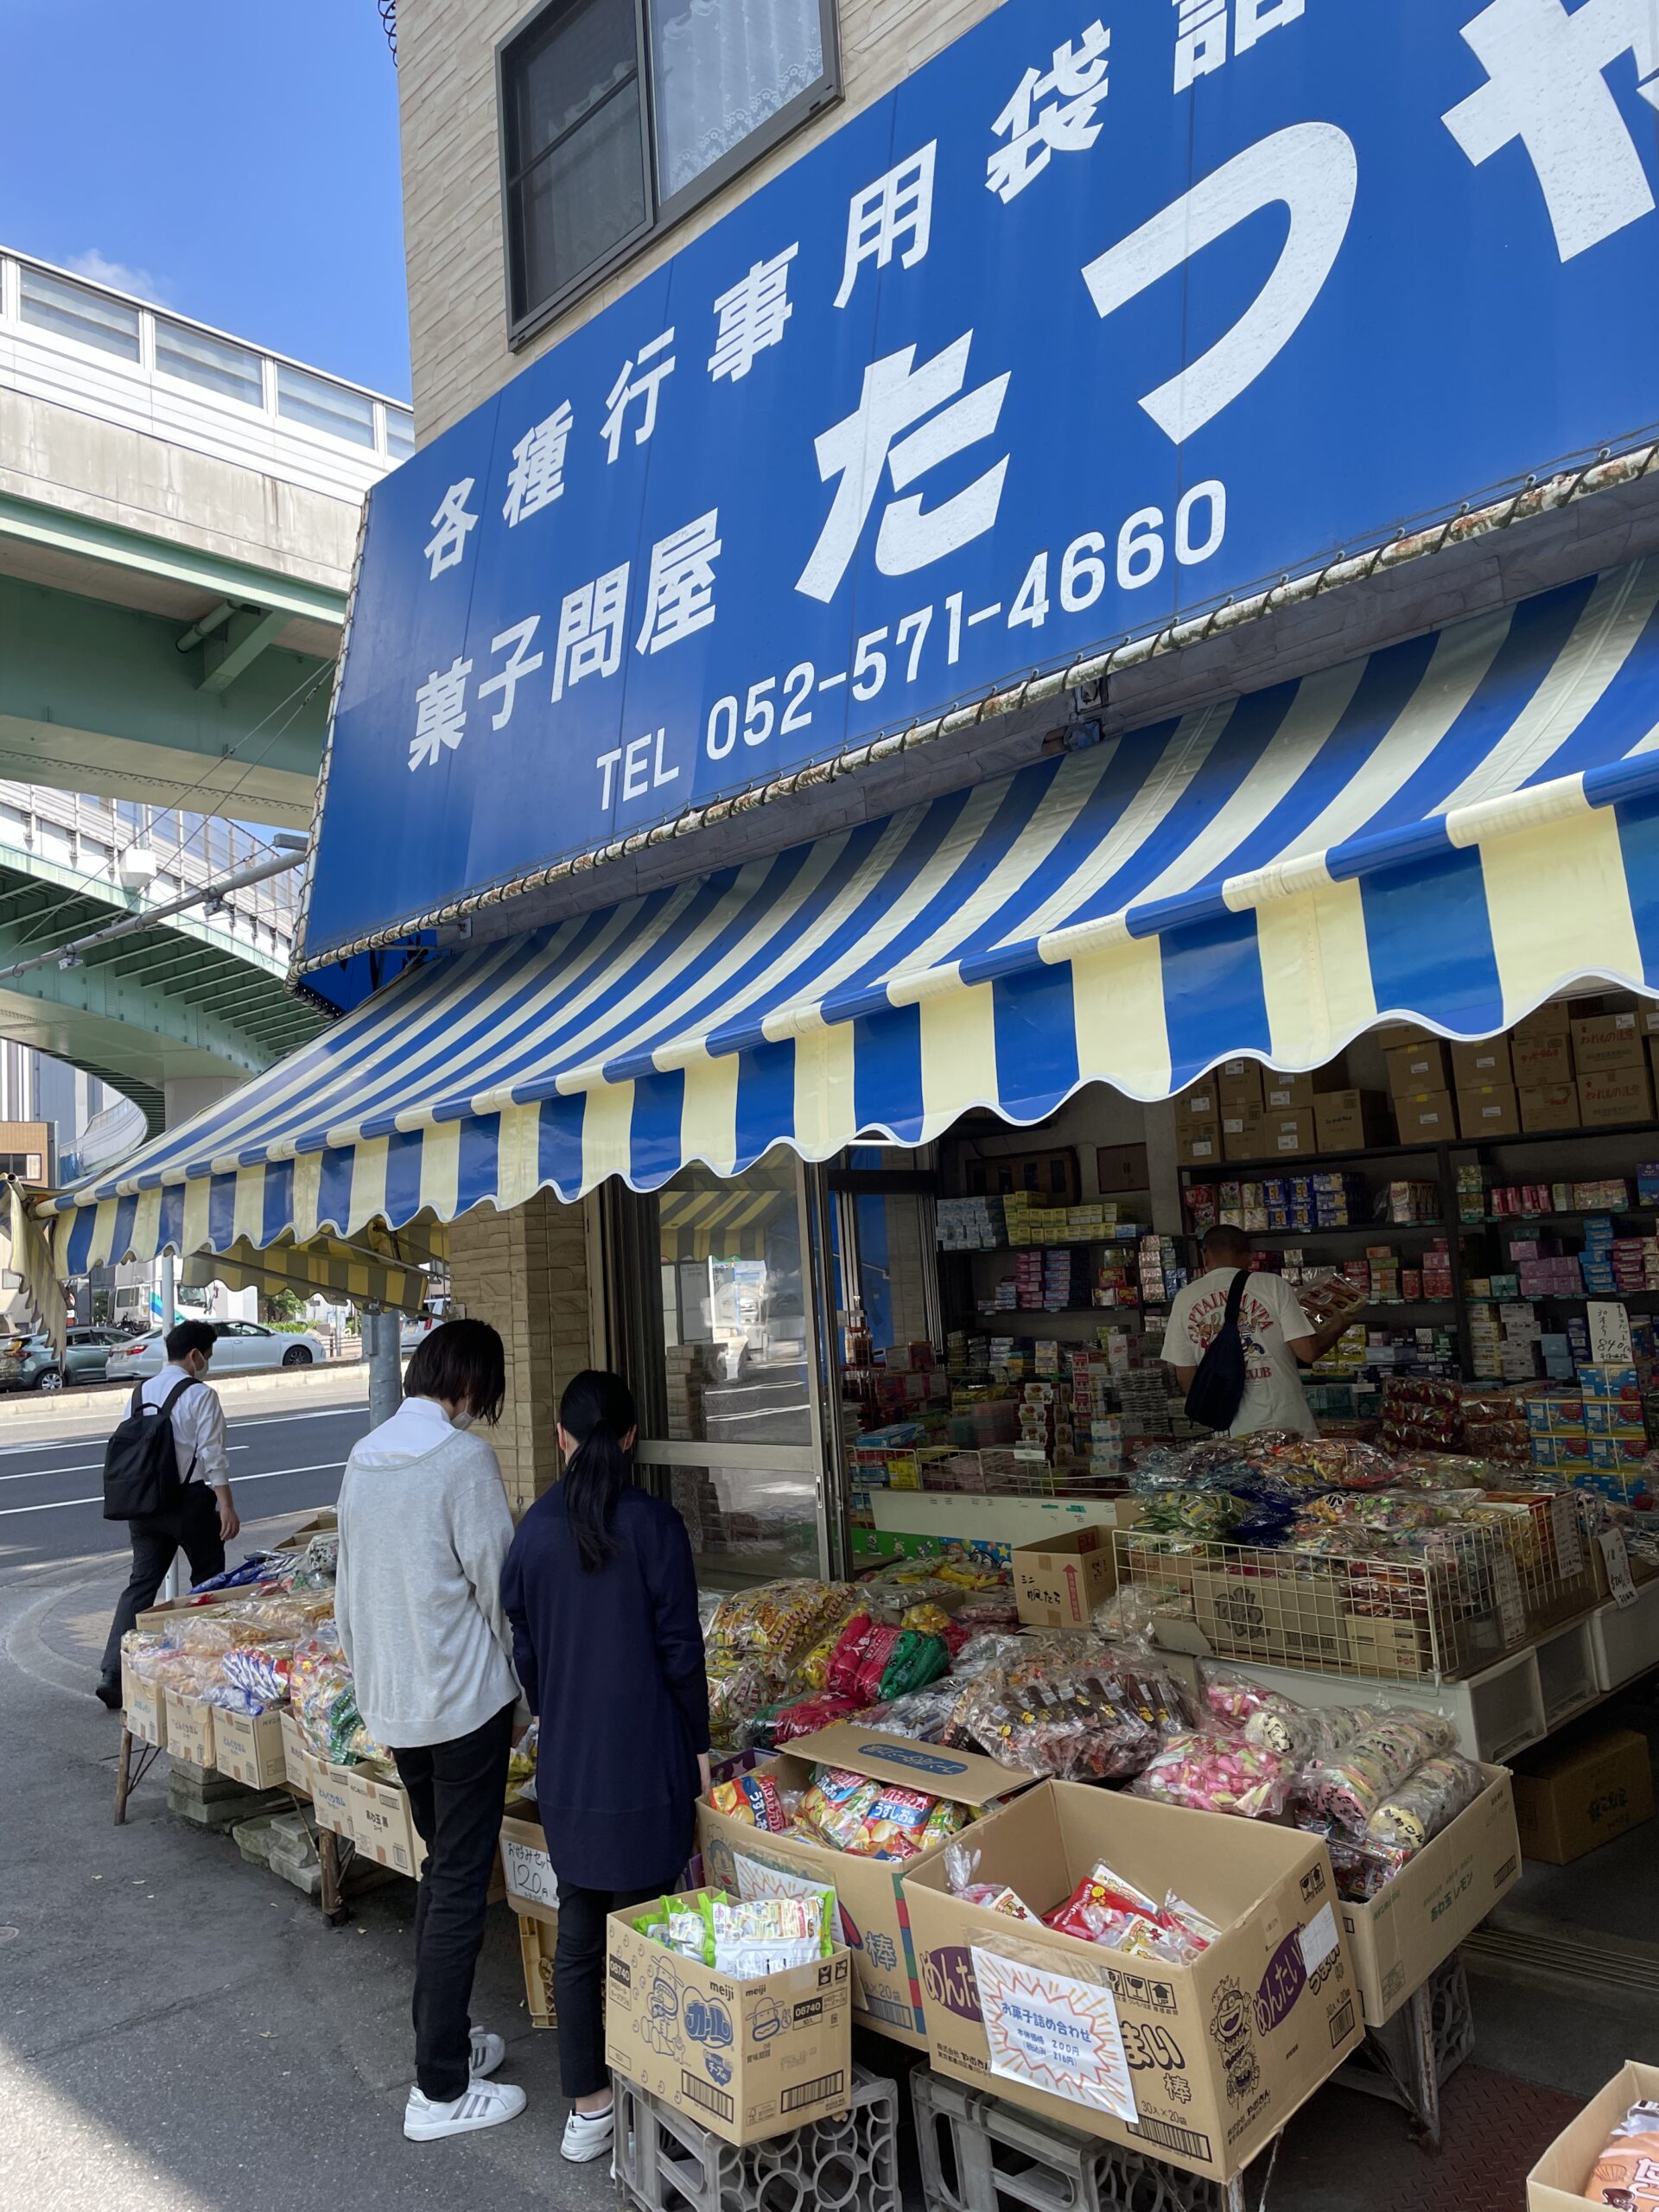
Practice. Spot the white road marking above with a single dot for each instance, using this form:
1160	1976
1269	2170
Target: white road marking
325	1467
84	1467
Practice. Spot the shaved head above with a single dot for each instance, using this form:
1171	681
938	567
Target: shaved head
1226	1247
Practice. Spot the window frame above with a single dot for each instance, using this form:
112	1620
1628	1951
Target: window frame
662	215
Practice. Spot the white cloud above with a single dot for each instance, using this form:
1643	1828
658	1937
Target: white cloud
102	270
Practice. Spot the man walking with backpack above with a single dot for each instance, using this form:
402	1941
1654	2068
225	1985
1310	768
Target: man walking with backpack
1259	1370
173	1501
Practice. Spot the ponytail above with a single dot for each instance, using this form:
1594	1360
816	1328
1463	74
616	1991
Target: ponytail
596	1412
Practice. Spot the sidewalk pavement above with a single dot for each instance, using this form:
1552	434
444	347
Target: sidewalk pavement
180	2031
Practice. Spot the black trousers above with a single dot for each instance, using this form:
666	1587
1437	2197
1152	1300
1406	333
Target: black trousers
193	1530
579	1980
456	1794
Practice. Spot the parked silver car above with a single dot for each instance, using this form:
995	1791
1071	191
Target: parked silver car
243	1347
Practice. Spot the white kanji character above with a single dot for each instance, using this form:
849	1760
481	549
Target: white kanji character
896	394
591	622
517	668
1254	19
752	315
1200	39
450	526
1310	168
629	387
440	713
900	203
536	477
680	594
1073	88
1546	86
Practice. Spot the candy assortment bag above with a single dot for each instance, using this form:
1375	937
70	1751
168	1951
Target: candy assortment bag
1217	1773
1429	1799
1627	2173
1305	1733
876	1820
1348	1787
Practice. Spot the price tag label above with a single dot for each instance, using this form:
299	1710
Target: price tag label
1608	1324
1569	1544
1618	1565
1512	1613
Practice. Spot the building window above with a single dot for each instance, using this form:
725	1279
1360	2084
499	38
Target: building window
321	405
618	115
213	363
75	311
400	433
95	859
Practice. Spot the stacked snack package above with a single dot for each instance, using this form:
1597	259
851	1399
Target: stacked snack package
324	1700
744	1939
1348	1787
1074	1710
874	1661
1217	1773
1304	1734
1627	2173
922	1715
1107	1908
1429	1799
756	1800
876	1820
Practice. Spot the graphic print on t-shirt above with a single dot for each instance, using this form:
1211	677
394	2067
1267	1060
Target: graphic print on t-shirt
1268	1317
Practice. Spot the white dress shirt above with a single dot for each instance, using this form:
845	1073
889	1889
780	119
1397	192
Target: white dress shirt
198	1425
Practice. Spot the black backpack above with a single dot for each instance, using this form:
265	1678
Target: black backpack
1217	1389
141	1462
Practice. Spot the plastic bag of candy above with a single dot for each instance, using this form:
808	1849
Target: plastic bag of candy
922	1715
962	1871
754	1799
1304	1733
1216	1773
324	1699
1074	1718
1209	1514
260	1673
1233	1697
808	1714
778	1620
201	1632
873	1663
1626	2173
876	1820
1348	1787
1429	1799
1107	1909
738	1689
319	1564
760	1936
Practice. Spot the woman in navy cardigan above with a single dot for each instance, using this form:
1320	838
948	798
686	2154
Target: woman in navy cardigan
603	1596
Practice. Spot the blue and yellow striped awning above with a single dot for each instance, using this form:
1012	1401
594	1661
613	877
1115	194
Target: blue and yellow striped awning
1448	830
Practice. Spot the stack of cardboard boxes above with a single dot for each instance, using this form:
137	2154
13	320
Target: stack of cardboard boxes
1553	1071
1241	1110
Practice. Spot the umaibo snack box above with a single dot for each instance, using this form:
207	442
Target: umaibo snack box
1200	2064
875	1925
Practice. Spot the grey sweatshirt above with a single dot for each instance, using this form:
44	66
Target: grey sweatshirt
424	1530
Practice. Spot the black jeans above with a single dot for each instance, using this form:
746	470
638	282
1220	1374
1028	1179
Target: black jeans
579	1980
456	1794
193	1530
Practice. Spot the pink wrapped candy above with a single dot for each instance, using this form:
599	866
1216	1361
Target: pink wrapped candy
1213	1773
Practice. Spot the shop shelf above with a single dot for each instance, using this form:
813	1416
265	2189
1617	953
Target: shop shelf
1625	1638
1351	1229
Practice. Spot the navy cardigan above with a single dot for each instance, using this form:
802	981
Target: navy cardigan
612	1662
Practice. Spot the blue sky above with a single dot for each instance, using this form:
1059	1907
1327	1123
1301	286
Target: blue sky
234	159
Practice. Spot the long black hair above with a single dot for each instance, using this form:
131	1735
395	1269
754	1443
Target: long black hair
596	1412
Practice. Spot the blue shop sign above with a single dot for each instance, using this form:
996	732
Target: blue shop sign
1110	312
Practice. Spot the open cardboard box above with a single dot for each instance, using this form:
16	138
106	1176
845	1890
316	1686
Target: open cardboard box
1438	1897
189	1728
1559	2180
532	1887
1059	1580
297	1769
745	2059
143	1708
747	1862
248	1746
1200	2064
382	1826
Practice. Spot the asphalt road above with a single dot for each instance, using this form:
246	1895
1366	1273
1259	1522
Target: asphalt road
51	1510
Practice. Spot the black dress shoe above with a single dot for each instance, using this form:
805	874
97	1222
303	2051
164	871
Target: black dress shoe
109	1693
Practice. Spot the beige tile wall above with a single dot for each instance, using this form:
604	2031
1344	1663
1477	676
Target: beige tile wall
525	1273
452	200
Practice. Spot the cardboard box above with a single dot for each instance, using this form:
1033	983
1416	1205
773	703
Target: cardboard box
1197	1144
538	1935
1477	1067
526	1867
1286	1093
248	1746
1239	1086
331	1794
189	1729
1418	1918
1546	1106
1058	1580
381	1825
1426	1117
143	1709
1608	1096
745	2059
1606	1041
1347	1120
1199	1102
736	1858
1416	1068
1287	1136
1284	1619
1492	1111
1538	1059
1559	2180
1554	1019
297	1769
1571	1798
1244	1136
1200	2065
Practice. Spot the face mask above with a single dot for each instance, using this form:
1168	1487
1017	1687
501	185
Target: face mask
462	1419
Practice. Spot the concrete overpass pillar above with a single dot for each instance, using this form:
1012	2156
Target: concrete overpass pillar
185	1094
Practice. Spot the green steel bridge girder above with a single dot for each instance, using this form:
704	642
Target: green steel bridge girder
99	698
183	999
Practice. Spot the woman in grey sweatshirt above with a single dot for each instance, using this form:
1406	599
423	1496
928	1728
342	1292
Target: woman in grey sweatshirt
423	1531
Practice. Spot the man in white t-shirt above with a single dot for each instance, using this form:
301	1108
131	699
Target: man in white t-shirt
1276	1335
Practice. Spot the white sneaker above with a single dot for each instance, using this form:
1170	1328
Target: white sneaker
588	2135
488	2052
482	2104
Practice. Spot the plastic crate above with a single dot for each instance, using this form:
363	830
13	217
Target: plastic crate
1625	1638
666	2163
1567	1673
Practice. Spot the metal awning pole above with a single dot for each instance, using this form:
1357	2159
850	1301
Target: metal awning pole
383	1334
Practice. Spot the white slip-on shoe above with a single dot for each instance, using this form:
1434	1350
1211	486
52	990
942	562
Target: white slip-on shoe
481	2104
588	2135
488	2052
